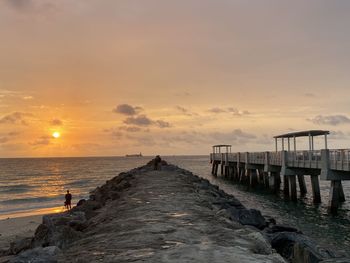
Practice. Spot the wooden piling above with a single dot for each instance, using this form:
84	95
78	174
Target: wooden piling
266	179
302	184
316	189
253	178
334	195
242	175
272	182
235	173
286	186
216	169
292	187
222	168
341	193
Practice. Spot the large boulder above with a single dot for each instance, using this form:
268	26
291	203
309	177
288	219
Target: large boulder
20	245
38	255
251	217
298	248
60	229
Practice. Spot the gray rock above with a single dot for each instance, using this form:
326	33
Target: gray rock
336	260
38	255
20	245
60	229
249	217
292	245
281	228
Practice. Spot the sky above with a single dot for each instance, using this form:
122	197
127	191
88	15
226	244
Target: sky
118	77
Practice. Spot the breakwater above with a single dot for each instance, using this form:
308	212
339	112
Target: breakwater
164	216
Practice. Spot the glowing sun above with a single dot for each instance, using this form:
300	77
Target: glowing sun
56	135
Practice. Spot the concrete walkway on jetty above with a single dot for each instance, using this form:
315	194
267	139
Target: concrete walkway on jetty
156	216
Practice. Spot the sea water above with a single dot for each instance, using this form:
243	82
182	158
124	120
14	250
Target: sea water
29	186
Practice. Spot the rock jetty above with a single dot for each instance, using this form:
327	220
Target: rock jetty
163	216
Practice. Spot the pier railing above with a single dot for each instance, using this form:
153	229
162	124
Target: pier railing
339	159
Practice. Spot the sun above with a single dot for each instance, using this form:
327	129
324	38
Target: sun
56	135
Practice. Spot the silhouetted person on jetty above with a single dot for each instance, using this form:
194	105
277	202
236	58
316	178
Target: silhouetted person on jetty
157	162
68	202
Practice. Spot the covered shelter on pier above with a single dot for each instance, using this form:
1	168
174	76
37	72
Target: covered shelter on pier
310	133
218	148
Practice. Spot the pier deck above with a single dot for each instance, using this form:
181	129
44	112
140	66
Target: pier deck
326	164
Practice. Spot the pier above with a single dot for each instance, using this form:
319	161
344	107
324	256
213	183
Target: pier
267	168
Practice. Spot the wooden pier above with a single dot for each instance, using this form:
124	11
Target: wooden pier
266	168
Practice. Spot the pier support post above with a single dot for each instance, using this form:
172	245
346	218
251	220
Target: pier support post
266	179
293	187
302	184
213	168
222	168
334	195
253	178
235	173
341	193
272	181
316	189
286	186
216	169
242	175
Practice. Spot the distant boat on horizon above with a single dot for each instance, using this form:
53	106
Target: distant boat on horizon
134	155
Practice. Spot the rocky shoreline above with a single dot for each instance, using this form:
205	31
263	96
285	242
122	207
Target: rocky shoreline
164	216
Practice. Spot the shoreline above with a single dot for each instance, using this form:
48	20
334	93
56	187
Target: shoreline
13	229
34	212
22	225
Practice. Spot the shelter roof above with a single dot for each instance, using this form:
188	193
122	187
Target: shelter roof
222	145
303	134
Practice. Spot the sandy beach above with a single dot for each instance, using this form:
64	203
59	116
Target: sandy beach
14	228
20	225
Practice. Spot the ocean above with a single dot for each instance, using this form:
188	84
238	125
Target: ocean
37	185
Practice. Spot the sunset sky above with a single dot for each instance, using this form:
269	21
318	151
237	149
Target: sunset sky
163	77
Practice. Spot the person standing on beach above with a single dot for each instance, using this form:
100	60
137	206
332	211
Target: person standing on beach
157	162
68	202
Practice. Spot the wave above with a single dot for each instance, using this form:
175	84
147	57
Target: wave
41	199
78	182
16	189
32	200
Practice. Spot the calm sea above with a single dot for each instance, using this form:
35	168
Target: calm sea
29	186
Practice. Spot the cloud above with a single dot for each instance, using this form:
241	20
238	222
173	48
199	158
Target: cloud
236	135
15	118
162	124
131	129
216	110
141	120
42	7
237	112
56	122
13	134
3	140
185	111
43	140
127	109
28	97
338	135
330	120
232	110
182	109
20	4
7	137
